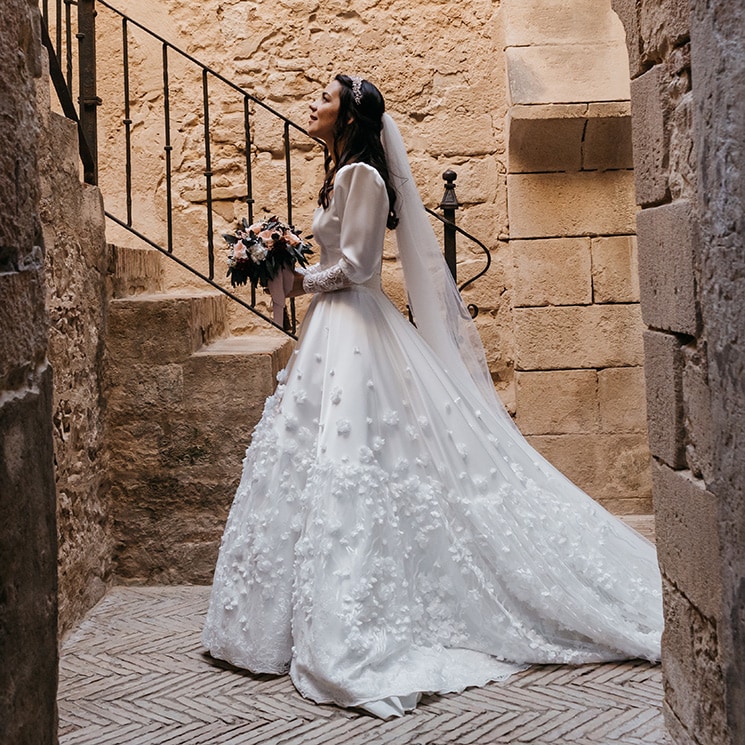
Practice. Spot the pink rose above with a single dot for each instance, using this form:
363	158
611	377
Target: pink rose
291	239
266	237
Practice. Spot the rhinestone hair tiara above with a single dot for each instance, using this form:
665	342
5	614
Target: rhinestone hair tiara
356	89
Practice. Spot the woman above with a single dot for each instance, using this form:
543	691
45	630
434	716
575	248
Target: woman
393	533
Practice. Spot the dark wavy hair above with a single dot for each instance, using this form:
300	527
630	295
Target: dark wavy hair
357	140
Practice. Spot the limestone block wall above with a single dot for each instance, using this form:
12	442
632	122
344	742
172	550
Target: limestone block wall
686	95
28	574
438	65
570	185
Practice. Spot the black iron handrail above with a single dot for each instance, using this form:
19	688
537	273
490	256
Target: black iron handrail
196	272
456	228
68	107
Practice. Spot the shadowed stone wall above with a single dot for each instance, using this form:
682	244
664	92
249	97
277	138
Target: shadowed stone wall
28	552
688	75
73	224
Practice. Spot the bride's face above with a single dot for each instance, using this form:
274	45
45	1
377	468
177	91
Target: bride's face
323	114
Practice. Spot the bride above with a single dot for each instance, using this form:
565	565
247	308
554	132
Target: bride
393	532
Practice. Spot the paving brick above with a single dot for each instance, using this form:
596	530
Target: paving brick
146	681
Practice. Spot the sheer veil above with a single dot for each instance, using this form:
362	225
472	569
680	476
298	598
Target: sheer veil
439	313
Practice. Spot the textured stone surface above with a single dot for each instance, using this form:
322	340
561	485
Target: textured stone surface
663	359
700	428
607	138
627	12
180	416
552	272
663	25
615	270
614	469
449	98
571	204
134	271
567	73
545	138
666	268
578	336
76	262
537	22
621	400
682	175
557	402
569	137
649	137
718	69
28	557
688	134
22	291
169	326
28	547
688	543
694	690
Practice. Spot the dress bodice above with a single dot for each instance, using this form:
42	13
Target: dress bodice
350	232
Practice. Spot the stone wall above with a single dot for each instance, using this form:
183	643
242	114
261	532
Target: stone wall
73	225
689	163
448	97
577	323
28	576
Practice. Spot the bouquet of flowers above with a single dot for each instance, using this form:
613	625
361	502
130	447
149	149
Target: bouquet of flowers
260	252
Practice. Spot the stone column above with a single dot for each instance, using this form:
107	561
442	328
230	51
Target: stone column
28	541
689	161
718	70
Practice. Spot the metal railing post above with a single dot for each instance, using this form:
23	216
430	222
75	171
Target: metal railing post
448	205
89	100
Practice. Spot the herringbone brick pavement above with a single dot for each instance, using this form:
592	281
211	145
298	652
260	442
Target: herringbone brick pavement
134	673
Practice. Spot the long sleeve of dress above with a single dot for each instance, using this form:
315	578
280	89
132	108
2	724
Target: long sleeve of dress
361	203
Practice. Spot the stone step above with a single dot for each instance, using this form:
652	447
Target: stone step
179	433
183	397
160	328
134	271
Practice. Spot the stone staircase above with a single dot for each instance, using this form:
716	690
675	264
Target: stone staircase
183	396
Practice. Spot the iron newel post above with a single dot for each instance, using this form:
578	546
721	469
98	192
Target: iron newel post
448	205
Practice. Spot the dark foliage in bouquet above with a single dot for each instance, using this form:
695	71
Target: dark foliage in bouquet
260	251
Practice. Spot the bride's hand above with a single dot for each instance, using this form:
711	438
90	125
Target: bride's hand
297	285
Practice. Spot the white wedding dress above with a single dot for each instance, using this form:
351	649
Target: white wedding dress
392	534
